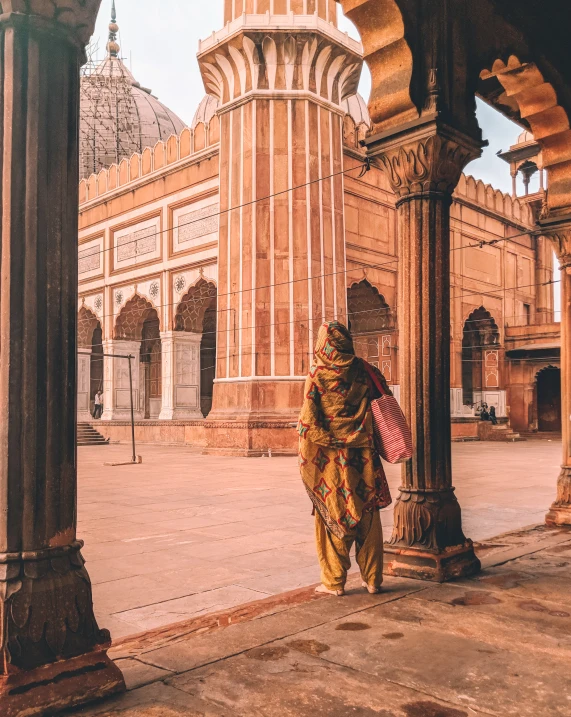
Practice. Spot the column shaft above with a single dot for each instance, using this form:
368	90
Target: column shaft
560	513
543	274
424	313
51	649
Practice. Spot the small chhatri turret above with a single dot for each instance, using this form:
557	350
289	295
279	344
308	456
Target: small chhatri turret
113	46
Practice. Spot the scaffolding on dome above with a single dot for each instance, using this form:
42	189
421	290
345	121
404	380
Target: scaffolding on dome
108	114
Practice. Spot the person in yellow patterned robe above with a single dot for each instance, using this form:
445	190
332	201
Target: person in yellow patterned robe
340	469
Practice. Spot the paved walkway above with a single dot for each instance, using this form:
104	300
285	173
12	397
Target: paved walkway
496	645
184	534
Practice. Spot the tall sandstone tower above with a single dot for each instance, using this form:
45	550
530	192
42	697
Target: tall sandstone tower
280	69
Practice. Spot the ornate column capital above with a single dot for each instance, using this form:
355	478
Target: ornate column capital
74	18
562	244
560	235
426	159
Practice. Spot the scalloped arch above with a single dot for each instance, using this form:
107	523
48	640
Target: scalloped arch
538	105
547	367
130	320
484	324
199	297
87	322
387	53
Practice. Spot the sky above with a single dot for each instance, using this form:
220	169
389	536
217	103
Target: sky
159	40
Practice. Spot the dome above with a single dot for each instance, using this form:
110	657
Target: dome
524	138
206	110
356	107
118	117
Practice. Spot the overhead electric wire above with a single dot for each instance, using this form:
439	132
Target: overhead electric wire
295	322
229	210
388	309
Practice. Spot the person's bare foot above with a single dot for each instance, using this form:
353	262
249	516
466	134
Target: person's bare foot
327	591
371	588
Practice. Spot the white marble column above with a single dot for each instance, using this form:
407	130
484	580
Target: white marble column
84	385
117	388
181	376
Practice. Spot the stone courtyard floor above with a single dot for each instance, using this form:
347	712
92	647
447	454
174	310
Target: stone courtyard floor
498	644
185	535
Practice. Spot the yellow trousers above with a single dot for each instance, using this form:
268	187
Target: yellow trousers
333	552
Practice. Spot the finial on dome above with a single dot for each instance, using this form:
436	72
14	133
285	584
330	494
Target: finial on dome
113	46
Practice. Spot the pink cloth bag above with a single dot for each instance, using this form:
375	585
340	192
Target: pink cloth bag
393	438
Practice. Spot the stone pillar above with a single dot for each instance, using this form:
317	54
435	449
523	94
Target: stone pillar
424	166
52	652
116	384
84	385
543	273
181	376
560	513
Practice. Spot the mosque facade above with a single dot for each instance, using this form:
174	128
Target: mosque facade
211	253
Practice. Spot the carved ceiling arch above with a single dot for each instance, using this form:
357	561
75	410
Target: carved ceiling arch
381	25
538	107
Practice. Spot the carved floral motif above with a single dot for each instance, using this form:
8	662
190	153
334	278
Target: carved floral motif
562	245
311	62
564	489
427	164
48	608
430	520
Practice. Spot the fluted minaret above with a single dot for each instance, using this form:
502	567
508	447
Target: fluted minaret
280	79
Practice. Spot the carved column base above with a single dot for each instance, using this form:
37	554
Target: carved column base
458	562
428	542
68	683
560	512
53	654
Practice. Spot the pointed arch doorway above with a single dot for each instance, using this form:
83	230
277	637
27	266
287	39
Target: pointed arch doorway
549	400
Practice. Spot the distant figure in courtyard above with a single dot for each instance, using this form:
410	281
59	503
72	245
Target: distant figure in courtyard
98	410
484	415
342	474
493	417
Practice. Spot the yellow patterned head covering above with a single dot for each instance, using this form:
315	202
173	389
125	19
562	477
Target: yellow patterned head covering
336	406
334	346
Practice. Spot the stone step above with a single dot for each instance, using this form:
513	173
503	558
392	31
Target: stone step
542	435
501	432
87	435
